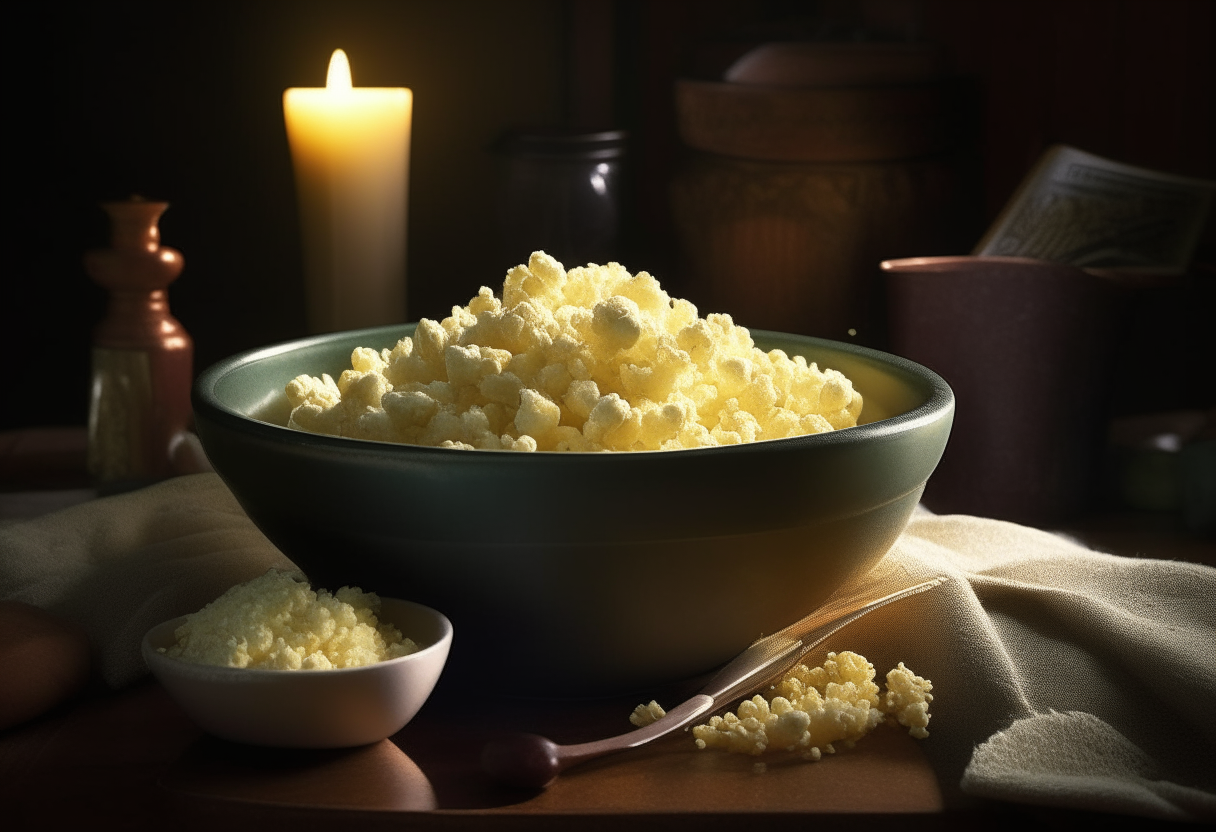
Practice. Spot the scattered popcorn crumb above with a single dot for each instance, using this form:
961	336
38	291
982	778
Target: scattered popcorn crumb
907	700
644	715
814	708
590	359
759	768
277	622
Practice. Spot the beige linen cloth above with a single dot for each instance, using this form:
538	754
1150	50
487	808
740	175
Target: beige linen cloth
1062	677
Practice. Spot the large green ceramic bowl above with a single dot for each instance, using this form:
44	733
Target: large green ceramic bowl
581	573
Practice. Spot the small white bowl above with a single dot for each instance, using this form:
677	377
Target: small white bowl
309	708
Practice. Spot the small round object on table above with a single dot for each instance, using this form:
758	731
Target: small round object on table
45	660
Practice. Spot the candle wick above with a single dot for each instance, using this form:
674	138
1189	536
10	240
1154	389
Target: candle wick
338	77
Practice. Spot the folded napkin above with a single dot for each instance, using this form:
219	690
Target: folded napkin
1062	676
120	565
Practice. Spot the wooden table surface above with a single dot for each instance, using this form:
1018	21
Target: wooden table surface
133	760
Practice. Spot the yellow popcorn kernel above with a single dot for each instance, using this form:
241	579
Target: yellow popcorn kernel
609	413
466	366
399	369
553	380
790	729
512	333
532	314
403	348
733	419
731	734
759	396
754	708
567	438
780	424
616	321
682	314
311	417
525	444
537	416
361	390
696	339
564	348
460	319
445	426
363	360
635	381
734	374
457	445
578	368
836	393
804	393
548	274
308	390
484	303
645	291
411	409
855	407
513	286
907	700
662	423
375	425
441	392
850	668
526	365
840	420
413	368
503	388
673	370
476	424
581	397
627	437
430	339
648	714
814	423
692	435
784	370
582	289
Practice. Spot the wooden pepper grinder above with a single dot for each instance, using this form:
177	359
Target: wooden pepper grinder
139	403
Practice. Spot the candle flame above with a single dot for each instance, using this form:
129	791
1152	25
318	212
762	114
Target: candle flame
339	72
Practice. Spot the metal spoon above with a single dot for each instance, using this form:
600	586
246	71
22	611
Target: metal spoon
532	761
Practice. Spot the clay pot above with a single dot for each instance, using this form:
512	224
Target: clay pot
816	162
795	247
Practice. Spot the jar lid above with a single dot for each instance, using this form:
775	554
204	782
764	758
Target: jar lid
864	64
557	142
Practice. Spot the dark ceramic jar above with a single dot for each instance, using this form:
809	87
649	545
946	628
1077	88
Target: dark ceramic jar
561	192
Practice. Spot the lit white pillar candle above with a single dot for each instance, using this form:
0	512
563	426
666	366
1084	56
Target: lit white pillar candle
350	149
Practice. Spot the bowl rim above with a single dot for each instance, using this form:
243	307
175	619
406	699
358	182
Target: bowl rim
938	403
213	672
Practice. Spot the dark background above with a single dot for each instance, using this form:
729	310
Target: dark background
182	102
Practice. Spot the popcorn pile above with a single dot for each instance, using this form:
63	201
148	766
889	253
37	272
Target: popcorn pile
277	622
814	708
593	359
